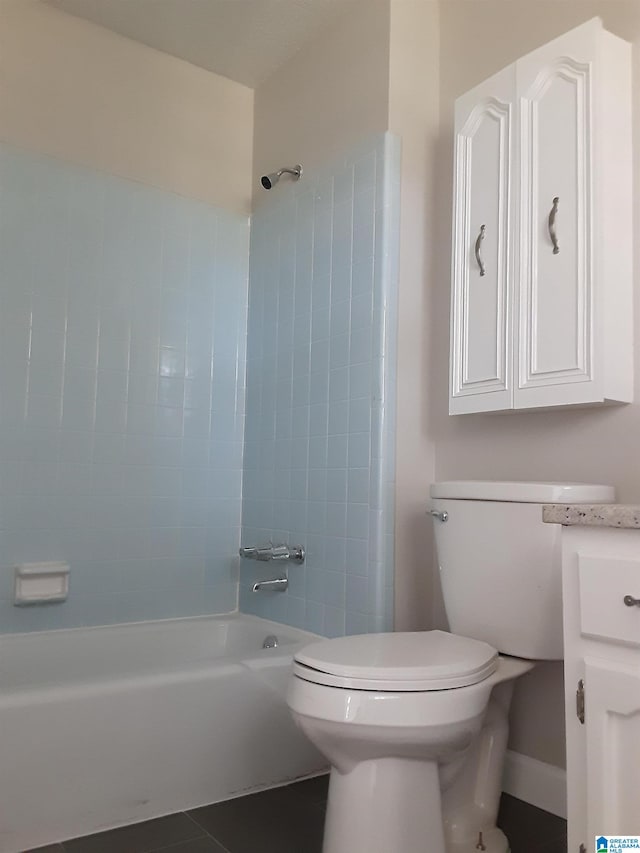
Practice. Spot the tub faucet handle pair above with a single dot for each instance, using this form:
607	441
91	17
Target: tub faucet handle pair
268	552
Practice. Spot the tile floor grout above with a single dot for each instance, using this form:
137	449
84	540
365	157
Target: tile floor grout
207	834
168	848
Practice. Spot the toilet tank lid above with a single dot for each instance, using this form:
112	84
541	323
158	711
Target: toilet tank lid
522	492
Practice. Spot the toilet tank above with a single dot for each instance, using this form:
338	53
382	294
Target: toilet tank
500	564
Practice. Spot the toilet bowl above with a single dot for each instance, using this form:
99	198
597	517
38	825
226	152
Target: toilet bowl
414	726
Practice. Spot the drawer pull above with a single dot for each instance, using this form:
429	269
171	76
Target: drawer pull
630	601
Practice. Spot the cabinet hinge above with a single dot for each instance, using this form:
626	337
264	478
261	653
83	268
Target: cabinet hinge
580	701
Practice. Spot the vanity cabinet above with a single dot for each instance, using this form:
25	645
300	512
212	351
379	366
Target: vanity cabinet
541	311
602	682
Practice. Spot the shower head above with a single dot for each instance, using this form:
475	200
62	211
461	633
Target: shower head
269	181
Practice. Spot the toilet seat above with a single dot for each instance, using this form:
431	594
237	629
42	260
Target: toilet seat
398	662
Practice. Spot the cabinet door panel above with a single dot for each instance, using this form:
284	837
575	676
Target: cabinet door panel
612	713
480	353
555	312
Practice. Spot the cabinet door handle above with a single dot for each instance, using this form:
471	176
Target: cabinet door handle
478	247
630	601
552	225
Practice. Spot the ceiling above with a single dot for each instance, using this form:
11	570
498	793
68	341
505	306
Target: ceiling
245	40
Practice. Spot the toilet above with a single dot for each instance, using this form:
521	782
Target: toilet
414	724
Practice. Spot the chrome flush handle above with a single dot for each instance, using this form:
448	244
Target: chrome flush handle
552	225
441	516
630	601
478	248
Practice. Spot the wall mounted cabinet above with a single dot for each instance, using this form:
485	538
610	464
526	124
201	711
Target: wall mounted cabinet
541	310
601	567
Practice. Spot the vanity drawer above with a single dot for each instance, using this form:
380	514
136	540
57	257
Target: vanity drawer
604	583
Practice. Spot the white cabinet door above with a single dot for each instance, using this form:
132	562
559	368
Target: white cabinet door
555	349
482	234
612	716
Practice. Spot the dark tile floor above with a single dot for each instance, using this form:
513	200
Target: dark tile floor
284	820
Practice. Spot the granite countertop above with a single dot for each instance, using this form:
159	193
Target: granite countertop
593	515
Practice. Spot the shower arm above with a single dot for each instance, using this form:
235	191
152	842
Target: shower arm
290	171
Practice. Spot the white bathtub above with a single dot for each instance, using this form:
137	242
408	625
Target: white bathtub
107	726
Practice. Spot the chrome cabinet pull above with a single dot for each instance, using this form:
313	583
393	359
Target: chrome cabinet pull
630	601
552	225
580	703
478	247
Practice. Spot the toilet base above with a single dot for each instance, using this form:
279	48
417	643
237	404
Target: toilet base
374	808
493	840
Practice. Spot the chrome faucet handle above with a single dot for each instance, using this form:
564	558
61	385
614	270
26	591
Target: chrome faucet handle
264	553
257	552
296	553
286	552
280	552
249	552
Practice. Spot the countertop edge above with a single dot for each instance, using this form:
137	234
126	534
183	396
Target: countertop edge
624	516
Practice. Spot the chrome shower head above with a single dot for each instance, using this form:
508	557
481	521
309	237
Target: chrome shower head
269	181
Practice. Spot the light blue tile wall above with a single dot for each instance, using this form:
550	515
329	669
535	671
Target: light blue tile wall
122	362
320	425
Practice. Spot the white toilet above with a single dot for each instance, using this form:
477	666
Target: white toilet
414	725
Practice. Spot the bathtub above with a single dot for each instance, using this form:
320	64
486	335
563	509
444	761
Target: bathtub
106	726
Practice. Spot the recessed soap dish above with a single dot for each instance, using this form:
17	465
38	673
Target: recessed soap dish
41	583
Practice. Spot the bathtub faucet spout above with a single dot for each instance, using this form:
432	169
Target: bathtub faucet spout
275	585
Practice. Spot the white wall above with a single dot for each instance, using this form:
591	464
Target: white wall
598	445
79	92
324	100
413	115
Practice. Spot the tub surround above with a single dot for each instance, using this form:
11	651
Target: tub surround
122	333
319	436
593	515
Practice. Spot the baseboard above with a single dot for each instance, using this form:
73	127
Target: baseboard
542	785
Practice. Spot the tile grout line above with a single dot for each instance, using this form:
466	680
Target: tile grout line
207	834
171	847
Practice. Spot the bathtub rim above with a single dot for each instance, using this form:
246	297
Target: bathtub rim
232	615
54	689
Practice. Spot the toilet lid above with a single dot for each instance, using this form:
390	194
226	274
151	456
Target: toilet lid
420	660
